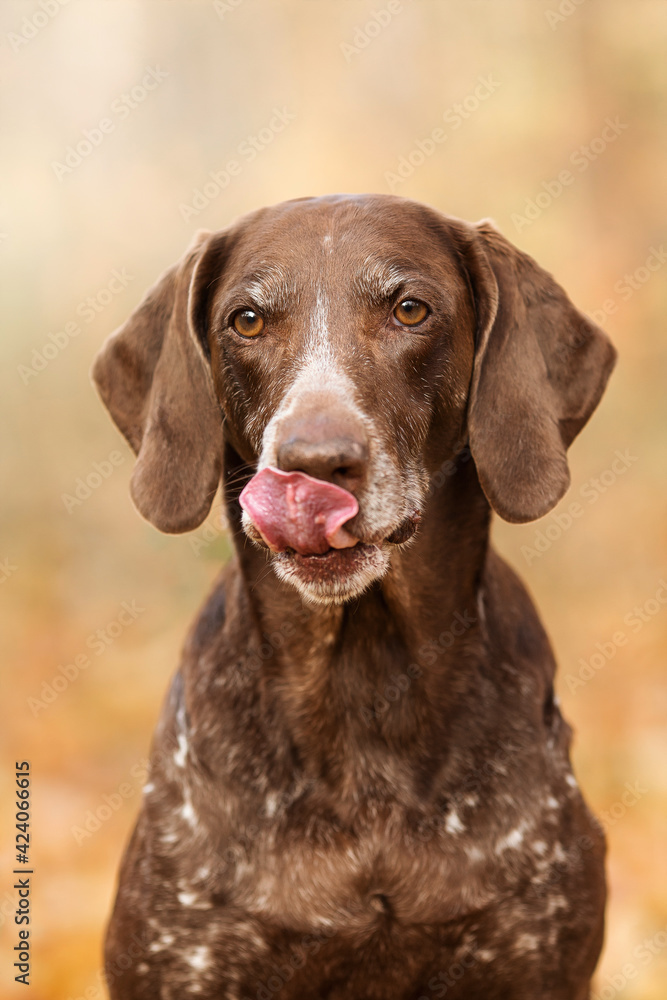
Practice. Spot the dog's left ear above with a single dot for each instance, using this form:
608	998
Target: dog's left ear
540	369
154	378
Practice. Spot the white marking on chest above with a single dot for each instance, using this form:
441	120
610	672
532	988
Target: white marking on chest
188	813
559	854
526	942
199	958
182	752
453	824
271	804
193	900
164	941
512	840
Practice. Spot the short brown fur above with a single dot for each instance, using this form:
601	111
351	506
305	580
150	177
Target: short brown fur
360	793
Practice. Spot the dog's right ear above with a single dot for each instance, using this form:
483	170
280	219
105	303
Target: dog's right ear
154	378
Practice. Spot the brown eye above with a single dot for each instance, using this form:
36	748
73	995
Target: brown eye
409	312
248	323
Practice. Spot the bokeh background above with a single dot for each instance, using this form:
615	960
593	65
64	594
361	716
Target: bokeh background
521	90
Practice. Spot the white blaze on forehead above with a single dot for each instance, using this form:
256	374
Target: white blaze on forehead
319	372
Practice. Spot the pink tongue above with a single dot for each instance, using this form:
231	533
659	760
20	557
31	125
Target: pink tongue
293	510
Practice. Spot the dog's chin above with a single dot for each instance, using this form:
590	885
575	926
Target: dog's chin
336	576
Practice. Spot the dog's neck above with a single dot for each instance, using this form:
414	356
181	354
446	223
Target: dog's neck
340	691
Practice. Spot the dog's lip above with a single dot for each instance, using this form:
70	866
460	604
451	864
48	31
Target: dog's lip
330	554
334	565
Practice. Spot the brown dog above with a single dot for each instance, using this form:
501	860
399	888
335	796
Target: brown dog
360	785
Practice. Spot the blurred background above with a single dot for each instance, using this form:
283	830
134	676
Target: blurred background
119	118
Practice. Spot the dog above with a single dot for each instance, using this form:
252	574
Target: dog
360	784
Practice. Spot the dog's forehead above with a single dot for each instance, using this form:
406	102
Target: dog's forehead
383	237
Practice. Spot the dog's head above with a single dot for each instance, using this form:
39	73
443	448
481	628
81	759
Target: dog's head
357	341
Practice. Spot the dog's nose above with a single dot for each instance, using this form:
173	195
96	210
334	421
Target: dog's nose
324	450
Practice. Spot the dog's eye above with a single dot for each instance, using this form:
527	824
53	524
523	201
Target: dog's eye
410	312
248	323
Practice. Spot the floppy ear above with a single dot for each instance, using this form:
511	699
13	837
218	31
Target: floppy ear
155	381
540	369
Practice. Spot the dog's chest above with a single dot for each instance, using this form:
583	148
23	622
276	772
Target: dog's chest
321	873
347	877
386	885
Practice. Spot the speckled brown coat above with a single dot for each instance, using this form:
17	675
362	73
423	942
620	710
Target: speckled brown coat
360	785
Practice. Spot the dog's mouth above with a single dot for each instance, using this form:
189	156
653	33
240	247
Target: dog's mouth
309	526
